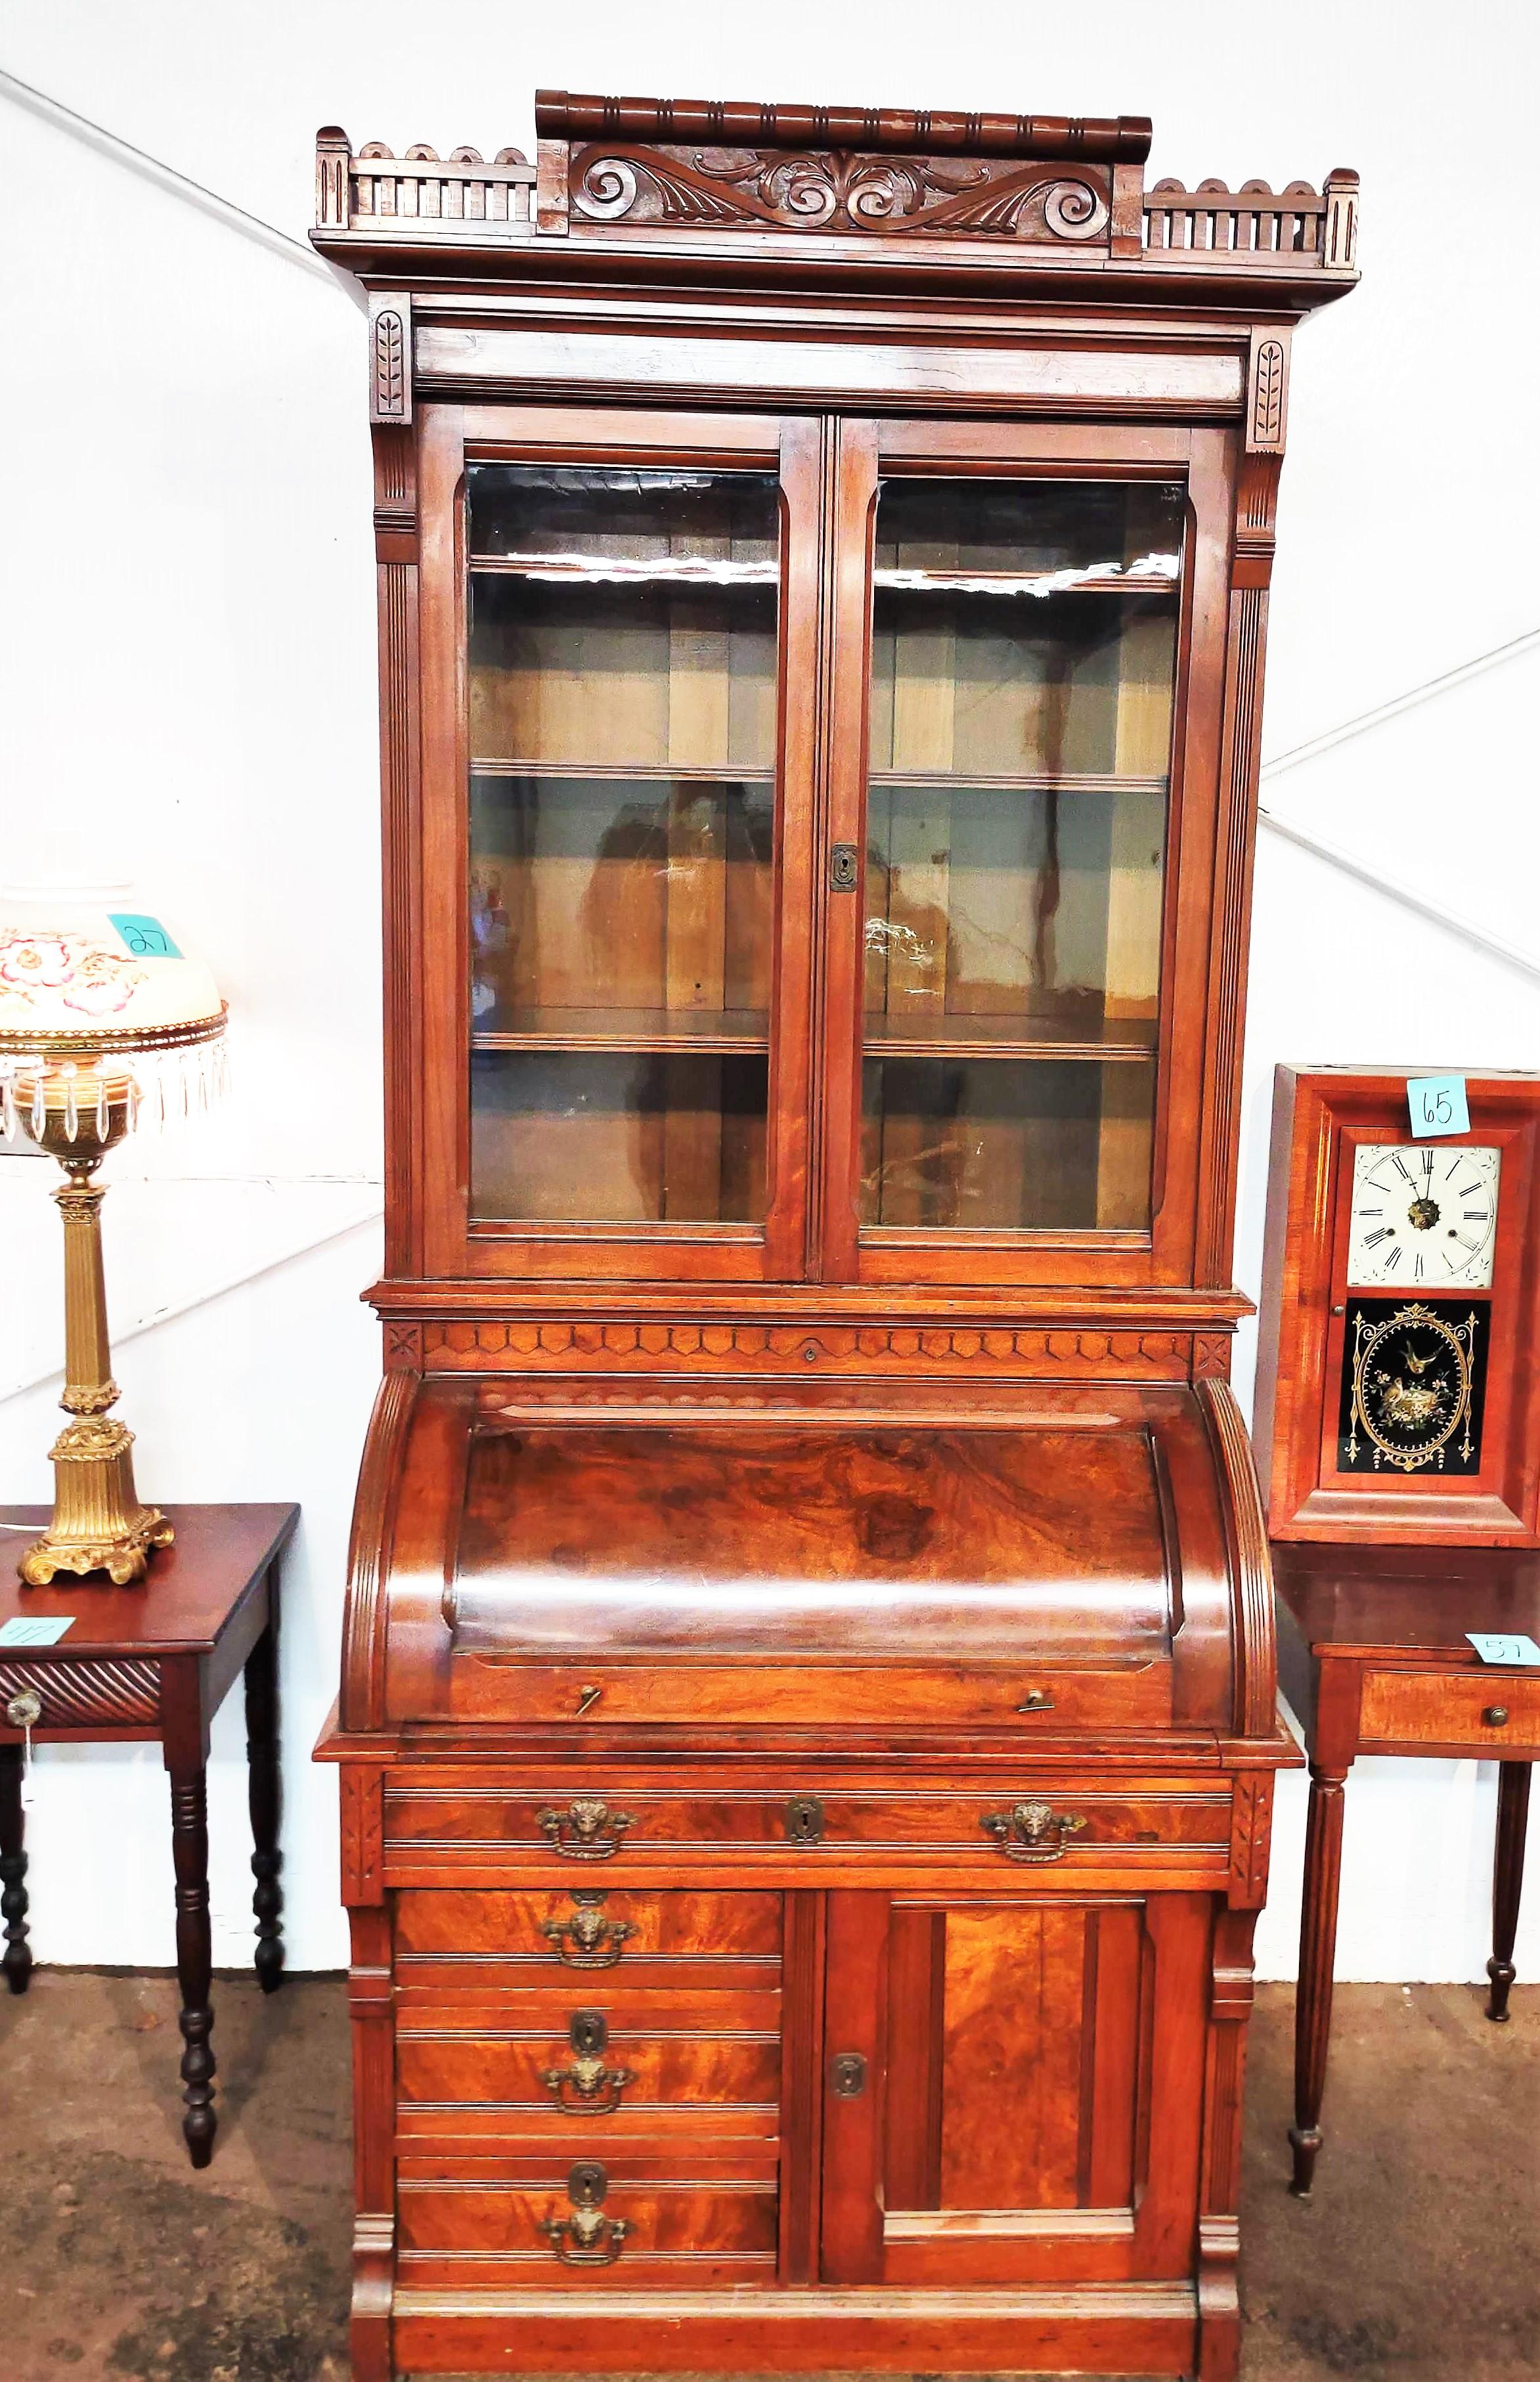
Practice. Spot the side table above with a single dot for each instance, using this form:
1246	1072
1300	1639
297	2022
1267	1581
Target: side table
1374	1658
155	1660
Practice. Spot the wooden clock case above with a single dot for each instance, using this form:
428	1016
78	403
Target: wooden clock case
808	1715
1320	1119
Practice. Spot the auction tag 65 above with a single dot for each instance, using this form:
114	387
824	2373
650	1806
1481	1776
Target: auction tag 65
1437	1104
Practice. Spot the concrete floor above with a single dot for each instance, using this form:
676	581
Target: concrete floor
1419	2256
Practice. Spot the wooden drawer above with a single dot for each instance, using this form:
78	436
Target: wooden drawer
84	1695
1424	1708
812	1695
474	1823
584	1931
691	2221
654	2063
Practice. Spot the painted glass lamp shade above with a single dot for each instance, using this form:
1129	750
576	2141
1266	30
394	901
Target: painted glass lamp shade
99	1007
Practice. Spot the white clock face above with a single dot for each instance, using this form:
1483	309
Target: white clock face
1424	1216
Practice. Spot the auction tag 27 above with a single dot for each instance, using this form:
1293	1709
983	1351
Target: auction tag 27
1437	1104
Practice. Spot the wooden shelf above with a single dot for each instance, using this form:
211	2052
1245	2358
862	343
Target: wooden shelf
725	773
619	1030
1125	1041
1039	585
624	569
731	774
1031	781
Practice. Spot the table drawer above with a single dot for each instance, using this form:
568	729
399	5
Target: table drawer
1419	1708
654	2063
85	1695
476	1823
684	2219
492	1937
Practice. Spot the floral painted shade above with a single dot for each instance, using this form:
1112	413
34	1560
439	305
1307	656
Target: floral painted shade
101	980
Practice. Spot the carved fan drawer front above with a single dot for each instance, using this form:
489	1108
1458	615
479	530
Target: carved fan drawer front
485	1941
1011	1819
1495	1712
652	2066
84	1695
686	2219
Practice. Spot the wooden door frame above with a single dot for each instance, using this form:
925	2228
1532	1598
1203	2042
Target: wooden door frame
448	436
1205	460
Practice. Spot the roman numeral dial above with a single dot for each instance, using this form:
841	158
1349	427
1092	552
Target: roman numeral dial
1423	1212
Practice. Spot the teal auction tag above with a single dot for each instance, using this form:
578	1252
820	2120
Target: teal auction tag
1512	1646
146	938
21	1631
1437	1104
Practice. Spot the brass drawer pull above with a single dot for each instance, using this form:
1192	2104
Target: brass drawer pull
586	1830
587	1940
586	2238
1032	1832
1495	1716
587	2088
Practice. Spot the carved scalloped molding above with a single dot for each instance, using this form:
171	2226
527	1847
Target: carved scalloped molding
800	1349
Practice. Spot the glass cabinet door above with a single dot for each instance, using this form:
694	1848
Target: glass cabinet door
1023	662
623	643
1021	637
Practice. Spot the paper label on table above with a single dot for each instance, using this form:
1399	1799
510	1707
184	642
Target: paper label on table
1510	1647
146	938
1437	1104
22	1631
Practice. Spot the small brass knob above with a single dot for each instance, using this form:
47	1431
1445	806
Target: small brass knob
1496	1716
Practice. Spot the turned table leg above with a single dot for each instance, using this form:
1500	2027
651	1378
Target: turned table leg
16	1960
194	1958
264	1787
1507	1878
1312	2007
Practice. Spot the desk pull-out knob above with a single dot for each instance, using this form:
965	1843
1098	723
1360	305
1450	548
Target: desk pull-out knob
1495	1716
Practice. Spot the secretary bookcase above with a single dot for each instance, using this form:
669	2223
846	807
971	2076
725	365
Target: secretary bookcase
807	1727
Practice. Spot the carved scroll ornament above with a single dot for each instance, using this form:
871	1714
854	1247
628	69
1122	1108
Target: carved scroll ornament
837	191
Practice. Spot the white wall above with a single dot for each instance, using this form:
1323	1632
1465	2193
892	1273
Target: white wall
187	643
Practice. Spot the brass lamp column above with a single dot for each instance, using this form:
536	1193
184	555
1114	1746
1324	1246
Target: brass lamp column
78	999
99	1523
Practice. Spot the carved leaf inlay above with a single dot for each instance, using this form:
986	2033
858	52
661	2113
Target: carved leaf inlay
1268	396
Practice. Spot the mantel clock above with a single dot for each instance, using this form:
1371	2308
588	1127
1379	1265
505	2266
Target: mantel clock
1396	1403
808	1716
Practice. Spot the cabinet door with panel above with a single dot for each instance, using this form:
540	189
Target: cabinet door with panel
1013	2086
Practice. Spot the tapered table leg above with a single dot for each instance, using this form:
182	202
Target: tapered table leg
16	1960
1507	1879
264	1787
1312	2007
194	1959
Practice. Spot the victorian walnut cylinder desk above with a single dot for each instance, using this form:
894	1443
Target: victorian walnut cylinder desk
808	1717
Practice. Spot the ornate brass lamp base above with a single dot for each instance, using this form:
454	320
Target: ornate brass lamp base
99	1524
